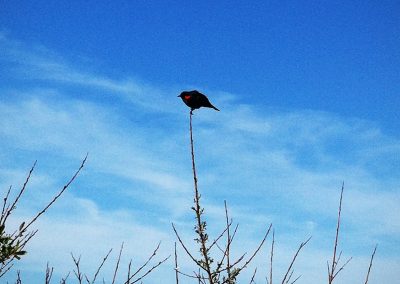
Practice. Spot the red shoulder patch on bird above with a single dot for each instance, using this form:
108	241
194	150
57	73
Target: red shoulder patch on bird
187	97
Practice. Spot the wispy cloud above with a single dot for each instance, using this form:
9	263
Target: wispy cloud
280	166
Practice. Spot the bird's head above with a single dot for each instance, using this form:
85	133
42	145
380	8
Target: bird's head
182	95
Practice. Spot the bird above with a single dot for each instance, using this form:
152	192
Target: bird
195	100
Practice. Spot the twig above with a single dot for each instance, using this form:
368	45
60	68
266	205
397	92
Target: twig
258	248
235	263
342	267
145	264
12	207
334	261
64	279
57	196
224	251
19	281
100	266
200	278
332	273
49	274
232	237
220	236
195	276
5	268
272	256
116	267
151	269
199	211
370	264
228	269
176	267
129	271
77	273
184	247
254	275
290	276
5	204
293	260
295	280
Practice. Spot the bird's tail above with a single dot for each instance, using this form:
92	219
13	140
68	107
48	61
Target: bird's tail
214	107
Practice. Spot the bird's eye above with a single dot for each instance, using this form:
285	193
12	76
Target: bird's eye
187	97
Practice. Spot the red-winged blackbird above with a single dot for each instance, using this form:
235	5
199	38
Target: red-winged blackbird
194	99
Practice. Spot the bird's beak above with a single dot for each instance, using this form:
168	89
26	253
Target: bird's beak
179	96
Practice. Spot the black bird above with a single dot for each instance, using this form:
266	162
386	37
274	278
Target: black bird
194	99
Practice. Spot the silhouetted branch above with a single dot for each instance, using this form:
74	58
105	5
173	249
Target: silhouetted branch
370	264
117	265
100	266
57	196
213	275
12	207
271	257
201	225
19	281
77	272
176	267
184	247
129	271
130	278
254	275
150	270
332	270
49	274
342	267
289	270
3	210
258	248
64	279
228	245
13	244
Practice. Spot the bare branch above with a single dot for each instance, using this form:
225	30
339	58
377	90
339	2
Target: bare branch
151	269
195	276
341	268
234	263
129	271
145	264
5	268
64	279
3	210
116	267
295	280
227	253
254	275
294	259
49	274
57	196
100	266
176	267
220	236
370	263
77	272
19	281
258	248
331	273
198	210
290	276
184	247
272	256
12	207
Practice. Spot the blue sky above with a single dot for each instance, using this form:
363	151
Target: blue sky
308	93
